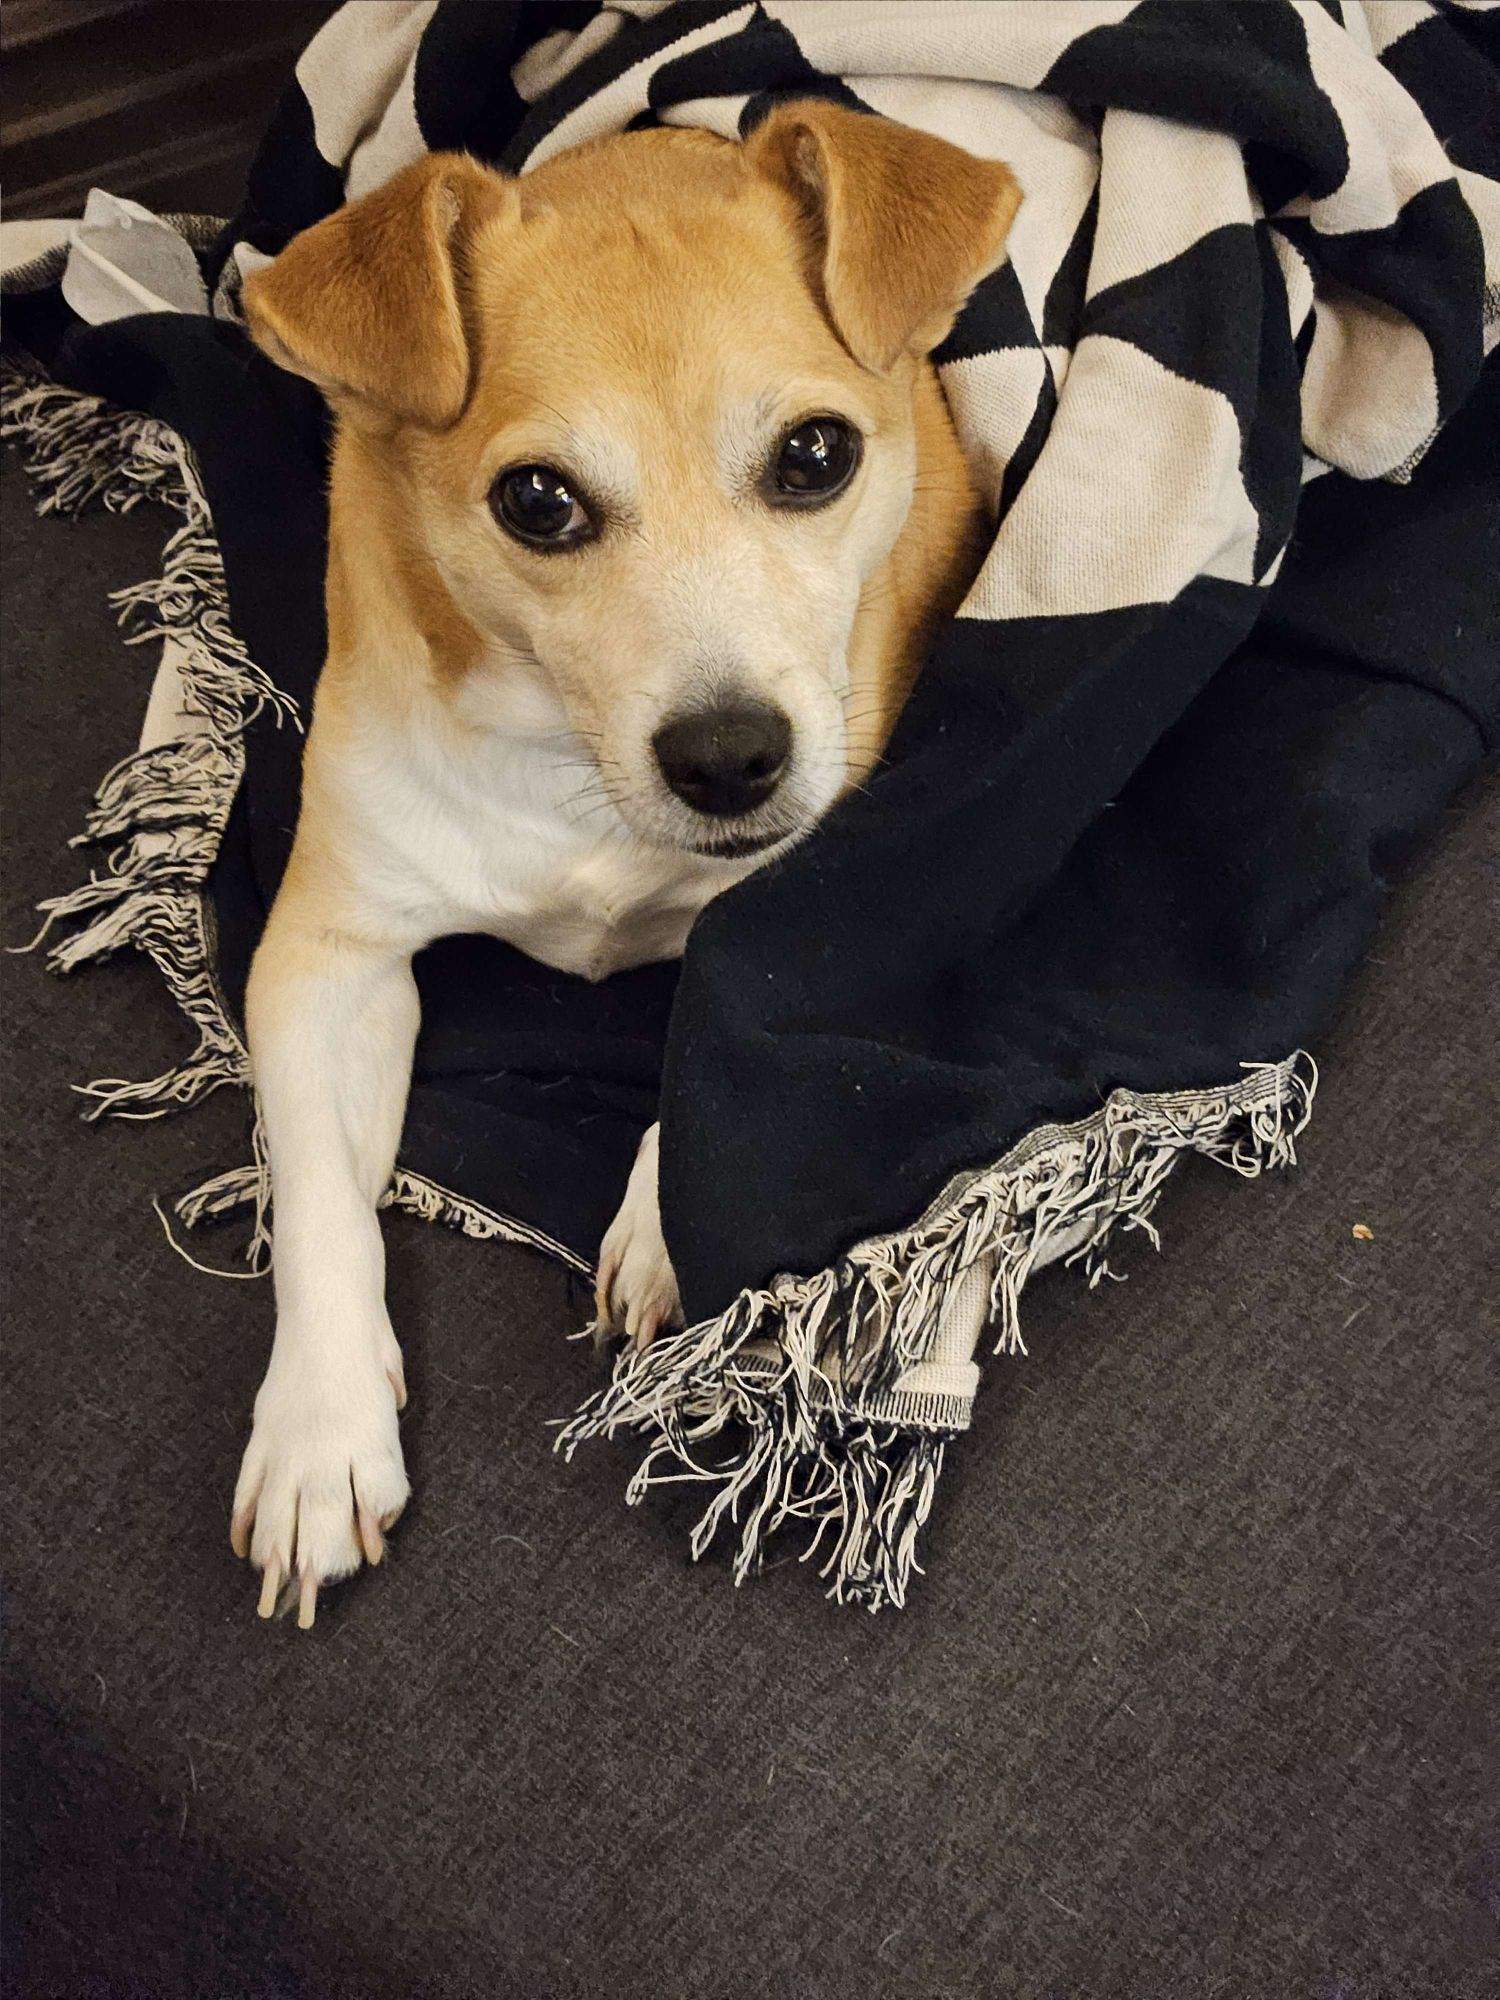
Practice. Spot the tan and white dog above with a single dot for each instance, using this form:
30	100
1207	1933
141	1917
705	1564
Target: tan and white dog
645	500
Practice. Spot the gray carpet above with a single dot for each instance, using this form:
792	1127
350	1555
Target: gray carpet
1192	1702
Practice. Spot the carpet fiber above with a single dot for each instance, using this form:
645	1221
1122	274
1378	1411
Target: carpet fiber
1193	1702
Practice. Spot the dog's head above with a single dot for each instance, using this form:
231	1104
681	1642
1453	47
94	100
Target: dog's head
651	412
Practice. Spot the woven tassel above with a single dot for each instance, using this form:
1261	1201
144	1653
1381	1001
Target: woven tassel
808	1372
164	808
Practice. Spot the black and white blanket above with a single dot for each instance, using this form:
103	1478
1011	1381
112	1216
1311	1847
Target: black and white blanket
1233	646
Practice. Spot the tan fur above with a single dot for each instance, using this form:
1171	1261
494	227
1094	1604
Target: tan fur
900	225
632	259
650	314
367	304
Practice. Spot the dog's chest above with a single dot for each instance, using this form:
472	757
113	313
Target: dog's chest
597	910
497	842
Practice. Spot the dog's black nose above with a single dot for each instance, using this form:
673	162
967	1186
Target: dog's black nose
725	761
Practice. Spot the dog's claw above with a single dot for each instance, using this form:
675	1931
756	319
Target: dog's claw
322	1479
371	1539
603	1328
609	1270
643	1324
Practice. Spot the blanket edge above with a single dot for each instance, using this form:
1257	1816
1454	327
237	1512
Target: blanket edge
163	808
830	1399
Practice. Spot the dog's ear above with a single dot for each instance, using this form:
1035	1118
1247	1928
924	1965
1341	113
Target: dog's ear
901	226
367	303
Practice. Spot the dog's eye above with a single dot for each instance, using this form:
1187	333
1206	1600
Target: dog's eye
536	505
814	462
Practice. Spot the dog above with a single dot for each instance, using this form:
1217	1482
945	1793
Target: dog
644	505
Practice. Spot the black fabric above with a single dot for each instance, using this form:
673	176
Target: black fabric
1464	96
290	185
1196	1698
1023	460
1193	314
1001	1014
1197	1694
1217	904
635	43
463	93
1480	30
996	316
763	60
1250	75
1065	295
1433	230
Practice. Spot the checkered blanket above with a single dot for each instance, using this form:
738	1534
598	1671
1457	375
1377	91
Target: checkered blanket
1259	243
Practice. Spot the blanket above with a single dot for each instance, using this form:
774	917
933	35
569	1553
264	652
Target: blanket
1233	646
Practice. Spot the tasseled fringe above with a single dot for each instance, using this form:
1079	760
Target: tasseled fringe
250	1187
164	808
415	1195
226	1193
80	452
865	1485
808	1371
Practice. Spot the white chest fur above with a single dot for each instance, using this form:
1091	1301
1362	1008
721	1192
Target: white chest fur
513	835
594	909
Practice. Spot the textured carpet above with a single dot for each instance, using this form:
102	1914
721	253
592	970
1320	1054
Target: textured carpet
1194	1701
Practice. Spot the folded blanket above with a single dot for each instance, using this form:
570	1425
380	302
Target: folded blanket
1139	817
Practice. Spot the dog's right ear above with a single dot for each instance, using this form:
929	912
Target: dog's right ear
901	226
367	302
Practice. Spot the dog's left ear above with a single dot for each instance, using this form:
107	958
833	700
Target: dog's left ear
901	226
367	303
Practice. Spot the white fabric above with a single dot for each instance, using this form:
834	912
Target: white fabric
124	260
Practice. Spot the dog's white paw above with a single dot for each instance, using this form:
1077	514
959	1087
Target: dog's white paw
637	1289
323	1476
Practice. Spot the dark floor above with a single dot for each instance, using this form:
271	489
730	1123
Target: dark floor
1192	1702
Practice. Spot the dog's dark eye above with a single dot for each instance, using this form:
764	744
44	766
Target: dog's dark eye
814	462
536	504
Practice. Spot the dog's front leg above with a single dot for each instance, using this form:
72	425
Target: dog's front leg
332	1022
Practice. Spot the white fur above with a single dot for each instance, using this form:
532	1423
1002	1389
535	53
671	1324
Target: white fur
518	793
444	831
637	1290
504	827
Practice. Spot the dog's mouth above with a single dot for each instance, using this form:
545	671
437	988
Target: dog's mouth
663	823
737	847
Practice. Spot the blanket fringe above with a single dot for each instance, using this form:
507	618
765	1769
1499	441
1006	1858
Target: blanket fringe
164	808
791	1405
81	452
250	1187
415	1195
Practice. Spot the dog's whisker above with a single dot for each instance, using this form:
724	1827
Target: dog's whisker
598	806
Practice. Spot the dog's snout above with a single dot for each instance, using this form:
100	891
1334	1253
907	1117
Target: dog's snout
725	761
